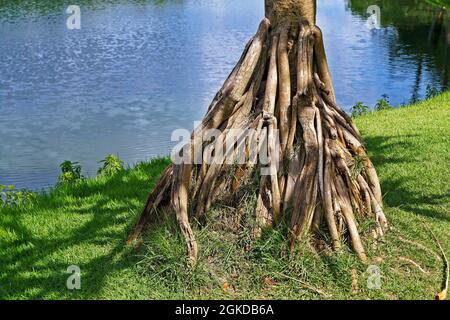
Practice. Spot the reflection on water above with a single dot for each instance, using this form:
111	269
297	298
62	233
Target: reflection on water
139	69
411	22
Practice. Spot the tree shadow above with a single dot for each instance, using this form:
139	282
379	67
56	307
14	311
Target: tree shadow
397	191
29	268
386	151
34	265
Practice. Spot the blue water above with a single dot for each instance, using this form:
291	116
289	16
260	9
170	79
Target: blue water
137	70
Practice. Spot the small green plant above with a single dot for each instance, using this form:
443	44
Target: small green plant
439	3
431	92
70	172
359	109
110	165
383	103
11	197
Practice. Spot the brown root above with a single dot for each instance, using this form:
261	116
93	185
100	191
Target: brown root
313	176
157	198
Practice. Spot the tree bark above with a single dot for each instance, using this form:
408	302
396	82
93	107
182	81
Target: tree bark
278	11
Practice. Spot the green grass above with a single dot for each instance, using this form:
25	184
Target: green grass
86	225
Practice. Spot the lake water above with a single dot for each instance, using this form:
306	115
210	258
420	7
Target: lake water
137	70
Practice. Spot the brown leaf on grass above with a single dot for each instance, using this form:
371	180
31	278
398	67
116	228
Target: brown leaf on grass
442	295
268	281
355	288
378	260
204	290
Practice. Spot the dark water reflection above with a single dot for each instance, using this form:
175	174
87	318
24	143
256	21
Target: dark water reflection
137	70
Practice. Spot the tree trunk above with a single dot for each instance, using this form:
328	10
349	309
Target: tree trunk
281	84
293	10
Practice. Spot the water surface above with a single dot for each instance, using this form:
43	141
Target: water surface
137	70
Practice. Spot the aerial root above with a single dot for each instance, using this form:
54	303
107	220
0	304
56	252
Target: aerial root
318	173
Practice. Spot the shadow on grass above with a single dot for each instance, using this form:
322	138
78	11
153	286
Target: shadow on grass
34	265
398	192
29	268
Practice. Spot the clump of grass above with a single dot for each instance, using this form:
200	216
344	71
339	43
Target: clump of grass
164	258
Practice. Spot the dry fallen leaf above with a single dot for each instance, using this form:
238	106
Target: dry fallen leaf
355	288
442	295
204	290
270	281
378	260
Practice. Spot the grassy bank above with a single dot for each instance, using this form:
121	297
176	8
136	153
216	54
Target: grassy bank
86	225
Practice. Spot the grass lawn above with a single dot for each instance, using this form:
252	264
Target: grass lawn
86	225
